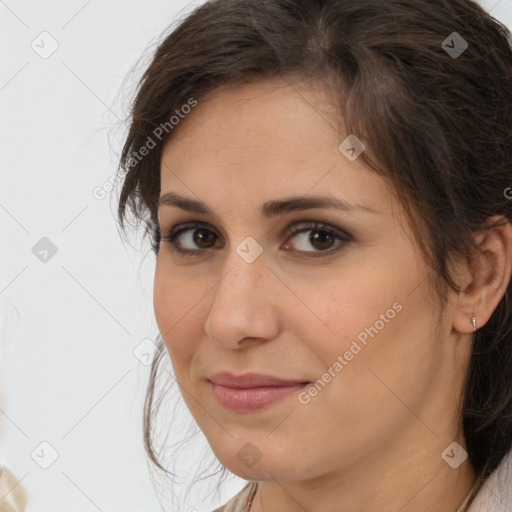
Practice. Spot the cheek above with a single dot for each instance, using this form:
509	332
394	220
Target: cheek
164	301
385	338
177	306
346	306
376	318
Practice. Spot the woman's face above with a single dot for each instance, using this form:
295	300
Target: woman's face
344	306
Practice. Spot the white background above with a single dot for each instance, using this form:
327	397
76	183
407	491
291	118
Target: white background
68	326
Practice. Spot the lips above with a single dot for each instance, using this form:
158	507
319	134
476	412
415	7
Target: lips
252	391
252	380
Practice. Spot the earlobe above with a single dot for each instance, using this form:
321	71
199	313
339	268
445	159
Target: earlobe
486	278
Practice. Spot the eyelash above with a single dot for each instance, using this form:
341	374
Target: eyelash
342	236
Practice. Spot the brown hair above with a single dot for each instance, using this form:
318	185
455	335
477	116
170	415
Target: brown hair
437	125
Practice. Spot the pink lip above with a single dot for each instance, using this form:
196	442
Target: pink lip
251	391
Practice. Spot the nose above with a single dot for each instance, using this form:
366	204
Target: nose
244	309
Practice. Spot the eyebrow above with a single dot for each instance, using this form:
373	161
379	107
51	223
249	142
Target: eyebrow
269	209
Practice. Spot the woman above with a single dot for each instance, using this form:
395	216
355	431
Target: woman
325	188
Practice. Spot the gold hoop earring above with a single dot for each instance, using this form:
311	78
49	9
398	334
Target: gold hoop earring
473	320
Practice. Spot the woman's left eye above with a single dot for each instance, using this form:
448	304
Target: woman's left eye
319	236
200	238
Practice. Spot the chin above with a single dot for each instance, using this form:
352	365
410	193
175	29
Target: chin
254	464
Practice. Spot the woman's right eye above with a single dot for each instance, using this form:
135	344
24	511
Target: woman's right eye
191	235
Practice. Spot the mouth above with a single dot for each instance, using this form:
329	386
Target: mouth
251	392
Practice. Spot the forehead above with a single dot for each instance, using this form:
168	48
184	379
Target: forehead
278	112
256	139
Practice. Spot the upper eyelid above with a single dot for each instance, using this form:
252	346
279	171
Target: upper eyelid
186	225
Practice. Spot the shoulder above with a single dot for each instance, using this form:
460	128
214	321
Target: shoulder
495	495
14	494
241	501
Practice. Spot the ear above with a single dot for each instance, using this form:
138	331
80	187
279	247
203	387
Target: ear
485	279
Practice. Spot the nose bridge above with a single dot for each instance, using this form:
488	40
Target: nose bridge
244	269
242	305
242	282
